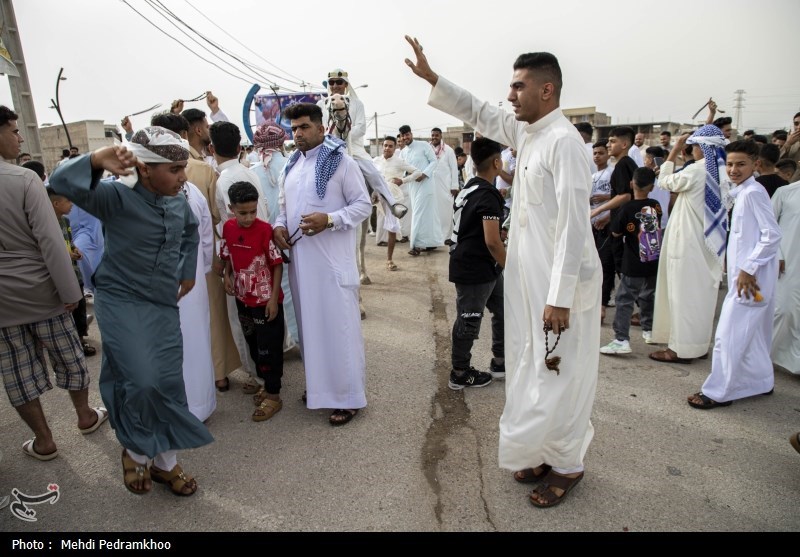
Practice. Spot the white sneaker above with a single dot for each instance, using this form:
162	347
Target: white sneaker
616	347
648	337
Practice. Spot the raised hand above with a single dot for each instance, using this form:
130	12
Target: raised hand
127	125
421	68
116	159
177	106
212	102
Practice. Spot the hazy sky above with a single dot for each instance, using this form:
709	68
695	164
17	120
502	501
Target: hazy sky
635	60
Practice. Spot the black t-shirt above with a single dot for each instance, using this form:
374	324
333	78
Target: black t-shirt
621	179
471	262
639	221
771	183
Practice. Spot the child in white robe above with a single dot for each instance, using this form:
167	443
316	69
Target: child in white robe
741	365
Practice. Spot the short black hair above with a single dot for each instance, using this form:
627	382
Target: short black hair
655	151
623	132
73	147
436	130
173	122
483	151
51	193
742	146
585	127
405	129
545	64
37	167
391	138
24	155
7	115
459	151
601	143
777	134
225	137
64	152
749	132
193	115
643	177
787	163
796	115
242	192
769	153
758	138
667	133
723	121
688	150
298	110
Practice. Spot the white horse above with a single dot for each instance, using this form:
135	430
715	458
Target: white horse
339	126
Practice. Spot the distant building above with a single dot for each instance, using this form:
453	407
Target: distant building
86	135
587	114
651	130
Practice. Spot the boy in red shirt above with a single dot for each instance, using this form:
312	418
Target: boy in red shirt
253	268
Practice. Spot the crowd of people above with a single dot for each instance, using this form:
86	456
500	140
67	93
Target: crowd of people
204	257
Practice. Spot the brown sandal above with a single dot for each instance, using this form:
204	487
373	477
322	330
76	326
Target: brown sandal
133	472
260	396
175	479
529	475
553	480
266	410
669	357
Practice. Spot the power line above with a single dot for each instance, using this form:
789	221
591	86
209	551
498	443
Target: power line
158	8
249	82
300	81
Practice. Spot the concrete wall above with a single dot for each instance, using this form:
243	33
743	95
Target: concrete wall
86	135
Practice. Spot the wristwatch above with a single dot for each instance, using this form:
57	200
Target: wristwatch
330	222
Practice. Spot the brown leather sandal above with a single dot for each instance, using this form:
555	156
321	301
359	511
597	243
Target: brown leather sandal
266	410
175	479
133	472
260	396
553	480
529	475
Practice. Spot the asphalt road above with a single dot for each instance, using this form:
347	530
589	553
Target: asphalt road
423	458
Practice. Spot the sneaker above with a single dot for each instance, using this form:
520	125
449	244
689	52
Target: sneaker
470	378
648	337
616	347
497	371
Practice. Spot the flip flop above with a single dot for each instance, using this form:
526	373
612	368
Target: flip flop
346	416
414	252
664	357
102	416
27	448
707	403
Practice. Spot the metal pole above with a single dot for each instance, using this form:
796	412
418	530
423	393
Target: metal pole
377	149
57	106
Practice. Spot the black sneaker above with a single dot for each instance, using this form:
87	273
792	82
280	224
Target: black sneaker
497	371
470	378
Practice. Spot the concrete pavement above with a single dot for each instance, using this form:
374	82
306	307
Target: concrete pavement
423	458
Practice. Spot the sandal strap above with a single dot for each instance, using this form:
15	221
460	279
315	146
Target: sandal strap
561	482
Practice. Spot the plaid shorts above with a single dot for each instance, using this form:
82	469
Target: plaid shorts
22	361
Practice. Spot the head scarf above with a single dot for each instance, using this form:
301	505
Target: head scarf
711	141
339	73
155	145
328	159
267	139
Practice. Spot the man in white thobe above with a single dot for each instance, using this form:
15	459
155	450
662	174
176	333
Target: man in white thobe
446	178
339	83
690	266
198	366
425	228
324	199
741	365
397	173
552	275
786	333
226	139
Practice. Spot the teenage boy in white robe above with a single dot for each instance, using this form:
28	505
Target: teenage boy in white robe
741	365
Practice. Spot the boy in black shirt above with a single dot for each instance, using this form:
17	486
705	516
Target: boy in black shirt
477	259
639	224
619	143
768	156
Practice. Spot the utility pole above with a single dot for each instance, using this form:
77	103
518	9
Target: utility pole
20	86
738	107
377	149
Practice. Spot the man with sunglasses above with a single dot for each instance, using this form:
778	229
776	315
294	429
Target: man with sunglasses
323	200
